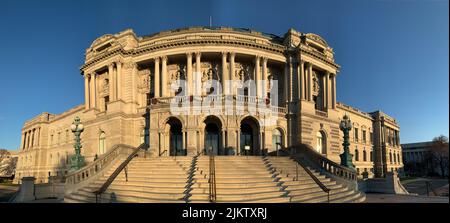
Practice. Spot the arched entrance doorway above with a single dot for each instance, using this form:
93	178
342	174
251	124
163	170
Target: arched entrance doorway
213	136
250	137
175	137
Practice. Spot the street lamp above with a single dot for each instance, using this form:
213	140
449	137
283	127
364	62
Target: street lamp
346	157
77	160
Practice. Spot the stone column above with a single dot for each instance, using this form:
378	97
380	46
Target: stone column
157	81
39	136
301	78
324	91
232	55
333	91
264	77
119	79
328	91
94	89
258	76
292	80
164	76
22	141
286	82
111	82
189	73
86	92
310	80
28	140
198	70
224	73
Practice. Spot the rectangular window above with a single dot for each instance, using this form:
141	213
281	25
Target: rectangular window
356	135
364	135
106	102
371	137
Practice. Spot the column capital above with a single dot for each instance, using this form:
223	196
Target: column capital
198	54
157	59
265	58
232	54
130	64
164	58
119	62
110	65
189	54
224	53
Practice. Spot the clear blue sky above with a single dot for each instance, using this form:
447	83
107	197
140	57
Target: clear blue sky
393	54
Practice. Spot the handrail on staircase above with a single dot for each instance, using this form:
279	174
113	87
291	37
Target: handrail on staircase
314	177
116	172
162	153
212	178
325	164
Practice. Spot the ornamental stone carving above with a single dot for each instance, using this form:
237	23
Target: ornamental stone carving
144	83
316	85
105	87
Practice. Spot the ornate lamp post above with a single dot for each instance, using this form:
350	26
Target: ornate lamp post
346	157
77	160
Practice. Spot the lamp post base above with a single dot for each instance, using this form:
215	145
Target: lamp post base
346	160
77	162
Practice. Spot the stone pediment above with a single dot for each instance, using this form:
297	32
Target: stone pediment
317	38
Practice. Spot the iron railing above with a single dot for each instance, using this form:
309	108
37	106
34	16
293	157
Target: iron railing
212	178
314	177
116	172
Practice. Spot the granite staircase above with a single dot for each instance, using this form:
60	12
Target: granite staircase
238	179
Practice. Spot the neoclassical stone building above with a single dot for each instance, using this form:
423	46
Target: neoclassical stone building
235	91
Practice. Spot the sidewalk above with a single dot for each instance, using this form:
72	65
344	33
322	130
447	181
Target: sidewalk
400	198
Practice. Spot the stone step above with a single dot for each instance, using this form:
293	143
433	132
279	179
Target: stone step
139	187
235	186
320	196
235	180
239	197
231	191
132	192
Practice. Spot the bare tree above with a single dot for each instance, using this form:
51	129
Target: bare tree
7	163
439	153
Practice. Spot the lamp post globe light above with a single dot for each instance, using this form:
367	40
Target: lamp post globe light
346	157
77	160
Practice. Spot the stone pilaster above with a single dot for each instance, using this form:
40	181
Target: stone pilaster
119	79
258	76
198	70
232	68
86	92
189	73
157	79
225	77
111	81
264	78
164	76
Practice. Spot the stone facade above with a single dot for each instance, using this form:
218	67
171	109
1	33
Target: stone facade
132	84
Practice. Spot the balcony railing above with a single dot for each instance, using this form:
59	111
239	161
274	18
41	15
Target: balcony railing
219	103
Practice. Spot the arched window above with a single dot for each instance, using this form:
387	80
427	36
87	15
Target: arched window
398	157
320	142
364	155
395	158
102	143
276	139
371	156
356	155
390	157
